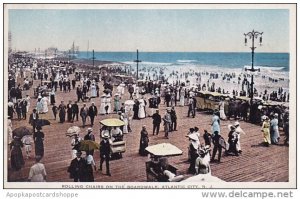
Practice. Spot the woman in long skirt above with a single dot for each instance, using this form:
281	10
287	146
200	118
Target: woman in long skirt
39	142
102	105
89	168
108	104
16	160
266	130
222	110
215	123
274	130
141	113
144	140
116	103
39	106
52	97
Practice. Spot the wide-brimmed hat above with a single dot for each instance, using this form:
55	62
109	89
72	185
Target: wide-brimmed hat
89	130
231	127
236	123
105	135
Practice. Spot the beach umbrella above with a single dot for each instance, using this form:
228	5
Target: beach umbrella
164	150
88	145
193	136
43	122
22	131
73	130
129	102
203	178
112	122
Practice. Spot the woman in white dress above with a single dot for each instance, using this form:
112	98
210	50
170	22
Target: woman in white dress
108	104
39	106
37	172
45	102
28	103
124	118
123	88
119	89
182	93
93	91
102	105
141	113
222	112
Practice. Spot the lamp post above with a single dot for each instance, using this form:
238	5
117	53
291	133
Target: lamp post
137	64
93	58
69	56
252	36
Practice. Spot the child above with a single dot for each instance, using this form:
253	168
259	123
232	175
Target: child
27	141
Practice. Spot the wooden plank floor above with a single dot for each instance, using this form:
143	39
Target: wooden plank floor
256	164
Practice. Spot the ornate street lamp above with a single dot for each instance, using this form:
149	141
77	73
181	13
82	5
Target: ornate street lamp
252	36
137	64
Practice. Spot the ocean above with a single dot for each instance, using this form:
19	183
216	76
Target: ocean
272	61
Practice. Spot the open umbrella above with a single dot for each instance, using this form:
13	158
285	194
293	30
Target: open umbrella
73	130
88	145
163	150
193	136
112	122
43	122
22	131
203	178
129	102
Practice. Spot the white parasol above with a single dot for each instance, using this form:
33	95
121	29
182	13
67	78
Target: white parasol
203	178
163	150
74	130
129	102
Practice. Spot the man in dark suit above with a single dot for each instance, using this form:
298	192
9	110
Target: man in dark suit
79	93
156	122
93	112
77	168
33	118
173	119
217	146
168	98
75	110
90	136
105	153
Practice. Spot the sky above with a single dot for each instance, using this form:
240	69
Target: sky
157	30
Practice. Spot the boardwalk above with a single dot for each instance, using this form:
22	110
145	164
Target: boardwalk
256	164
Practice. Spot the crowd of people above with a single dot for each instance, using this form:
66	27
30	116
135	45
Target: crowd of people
144	101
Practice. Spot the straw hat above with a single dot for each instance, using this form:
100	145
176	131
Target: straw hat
231	127
236	124
105	135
